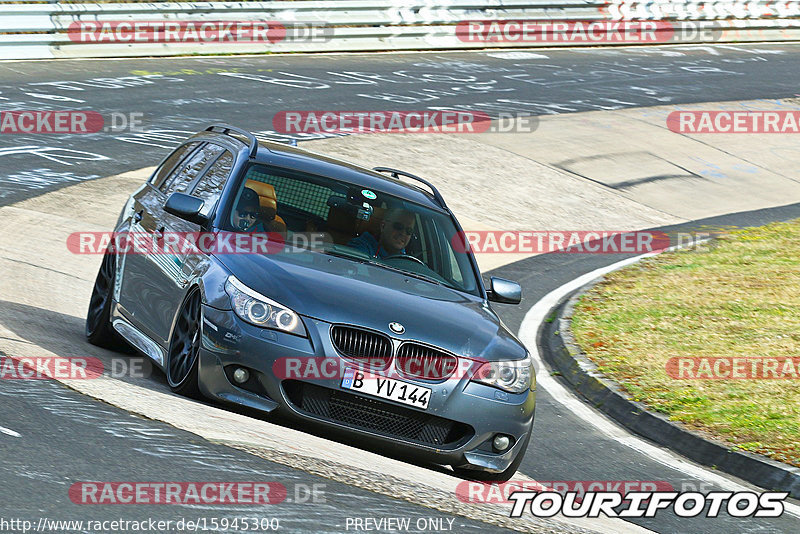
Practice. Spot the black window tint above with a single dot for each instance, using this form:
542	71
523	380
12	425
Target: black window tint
209	188
184	176
169	164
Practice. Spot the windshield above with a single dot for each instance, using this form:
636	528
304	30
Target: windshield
322	215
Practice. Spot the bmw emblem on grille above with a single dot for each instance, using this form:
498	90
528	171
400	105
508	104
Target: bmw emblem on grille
397	328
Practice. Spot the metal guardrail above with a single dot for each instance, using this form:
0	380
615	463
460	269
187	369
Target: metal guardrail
43	30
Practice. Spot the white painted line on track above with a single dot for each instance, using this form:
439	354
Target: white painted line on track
10	432
527	334
516	55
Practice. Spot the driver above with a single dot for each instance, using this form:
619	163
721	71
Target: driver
396	230
246	214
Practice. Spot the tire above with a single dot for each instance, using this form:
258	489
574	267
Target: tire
184	349
486	476
98	318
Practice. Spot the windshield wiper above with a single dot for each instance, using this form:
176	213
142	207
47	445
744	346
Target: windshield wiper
369	261
419	276
339	254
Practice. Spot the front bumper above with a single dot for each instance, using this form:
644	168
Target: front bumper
456	429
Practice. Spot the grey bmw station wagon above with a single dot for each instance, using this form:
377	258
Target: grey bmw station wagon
289	282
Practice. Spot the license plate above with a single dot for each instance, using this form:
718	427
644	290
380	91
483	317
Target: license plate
386	388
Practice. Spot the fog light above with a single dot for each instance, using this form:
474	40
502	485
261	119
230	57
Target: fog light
501	443
241	375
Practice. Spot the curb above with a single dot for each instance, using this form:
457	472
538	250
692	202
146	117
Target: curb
560	350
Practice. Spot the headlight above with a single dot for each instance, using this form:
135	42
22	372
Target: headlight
262	311
512	376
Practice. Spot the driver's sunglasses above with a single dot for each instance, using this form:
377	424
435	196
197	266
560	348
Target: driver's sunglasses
398	226
248	214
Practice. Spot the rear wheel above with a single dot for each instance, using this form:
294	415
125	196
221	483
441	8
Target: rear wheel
485	476
184	349
98	319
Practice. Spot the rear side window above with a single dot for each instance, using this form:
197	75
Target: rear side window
169	164
210	186
183	177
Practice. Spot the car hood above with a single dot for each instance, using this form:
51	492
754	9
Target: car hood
338	290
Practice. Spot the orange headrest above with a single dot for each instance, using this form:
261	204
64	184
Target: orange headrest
266	194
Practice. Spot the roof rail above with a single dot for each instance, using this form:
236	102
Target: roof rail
397	173
226	129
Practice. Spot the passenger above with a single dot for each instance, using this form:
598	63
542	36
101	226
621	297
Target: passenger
246	214
396	230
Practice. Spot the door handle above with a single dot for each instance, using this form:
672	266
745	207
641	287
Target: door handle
137	217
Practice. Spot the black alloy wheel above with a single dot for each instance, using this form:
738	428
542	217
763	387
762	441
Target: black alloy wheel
184	348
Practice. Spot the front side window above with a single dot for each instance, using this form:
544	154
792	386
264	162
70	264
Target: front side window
369	227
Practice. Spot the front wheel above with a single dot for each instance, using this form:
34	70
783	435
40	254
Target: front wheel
184	349
98	319
504	476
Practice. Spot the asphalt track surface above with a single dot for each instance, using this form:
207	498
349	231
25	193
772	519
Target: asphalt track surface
175	97
67	437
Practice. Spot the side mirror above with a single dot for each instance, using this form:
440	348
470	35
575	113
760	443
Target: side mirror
186	207
504	291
